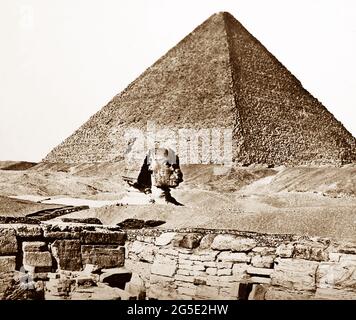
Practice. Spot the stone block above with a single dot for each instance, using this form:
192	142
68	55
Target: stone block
143	251
211	271
42	261
233	257
224	272
210	264
278	294
259	271
341	275
34	246
207	292
262	261
7	264
264	251
334	294
165	238
239	270
260	280
233	243
67	254
103	237
182	278
187	291
8	241
28	231
163	281
104	256
193	267
207	241
295	274
285	250
313	251
190	240
164	269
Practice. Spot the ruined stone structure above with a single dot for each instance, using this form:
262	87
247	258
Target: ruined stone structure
77	261
218	76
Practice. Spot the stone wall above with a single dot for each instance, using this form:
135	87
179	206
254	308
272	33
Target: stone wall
78	261
59	261
235	265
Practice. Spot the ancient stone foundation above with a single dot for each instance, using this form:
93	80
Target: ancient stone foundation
77	261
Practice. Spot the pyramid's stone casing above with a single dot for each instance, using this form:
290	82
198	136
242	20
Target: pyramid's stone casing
218	76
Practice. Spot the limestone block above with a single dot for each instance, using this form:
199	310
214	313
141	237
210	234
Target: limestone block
203	256
34	246
334	294
144	251
193	267
164	269
224	265
184	272
347	248
341	275
142	268
7	264
311	251
295	274
233	257
285	250
233	243
259	271
8	241
190	240
168	251
239	271
207	241
334	257
67	254
165	238
28	230
185	262
207	292
187	291
211	271
210	264
348	258
38	260
224	272
278	294
262	261
104	256
6	280
179	277
264	251
103	237
163	281
260	280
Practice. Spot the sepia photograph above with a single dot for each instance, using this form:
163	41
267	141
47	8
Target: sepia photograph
177	150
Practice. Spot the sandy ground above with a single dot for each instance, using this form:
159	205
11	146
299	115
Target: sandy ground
308	201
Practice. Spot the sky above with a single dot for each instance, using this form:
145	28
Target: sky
63	60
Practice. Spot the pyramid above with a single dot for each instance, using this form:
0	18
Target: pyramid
218	76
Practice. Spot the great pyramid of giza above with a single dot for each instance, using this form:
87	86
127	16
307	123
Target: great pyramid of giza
218	76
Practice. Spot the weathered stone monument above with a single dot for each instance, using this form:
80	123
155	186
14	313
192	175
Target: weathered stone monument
159	173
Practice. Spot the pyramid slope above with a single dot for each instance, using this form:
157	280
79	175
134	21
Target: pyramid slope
279	121
218	76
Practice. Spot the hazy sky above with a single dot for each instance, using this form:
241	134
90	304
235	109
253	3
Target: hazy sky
62	60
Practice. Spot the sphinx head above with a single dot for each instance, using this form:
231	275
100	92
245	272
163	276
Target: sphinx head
164	167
